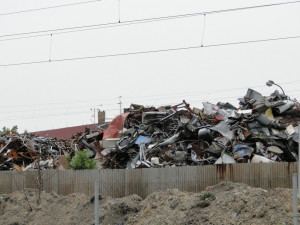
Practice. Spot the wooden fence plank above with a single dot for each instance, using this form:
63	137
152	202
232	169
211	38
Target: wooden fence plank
119	183
6	182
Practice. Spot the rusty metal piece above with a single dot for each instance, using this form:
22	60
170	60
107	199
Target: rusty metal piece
12	154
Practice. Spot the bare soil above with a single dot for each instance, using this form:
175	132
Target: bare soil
225	203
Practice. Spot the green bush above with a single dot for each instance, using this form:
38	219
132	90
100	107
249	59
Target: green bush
206	195
69	161
81	161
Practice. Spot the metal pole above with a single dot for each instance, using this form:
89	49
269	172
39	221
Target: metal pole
39	177
96	194
299	162
94	115
295	200
120	104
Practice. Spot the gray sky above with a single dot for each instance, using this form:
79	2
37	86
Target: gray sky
60	94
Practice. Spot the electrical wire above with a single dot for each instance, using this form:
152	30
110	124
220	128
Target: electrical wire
137	98
182	95
132	22
117	109
50	7
58	103
253	41
74	107
46	109
131	97
50	115
143	101
46	115
104	105
150	51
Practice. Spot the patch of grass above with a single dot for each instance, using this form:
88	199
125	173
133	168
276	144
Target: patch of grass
207	195
201	204
229	186
146	212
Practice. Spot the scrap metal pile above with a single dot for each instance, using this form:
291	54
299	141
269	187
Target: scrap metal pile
262	129
23	151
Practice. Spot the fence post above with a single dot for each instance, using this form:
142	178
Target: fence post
298	164
11	181
96	194
295	200
58	182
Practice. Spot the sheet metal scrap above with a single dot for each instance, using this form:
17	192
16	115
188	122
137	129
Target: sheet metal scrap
262	129
20	151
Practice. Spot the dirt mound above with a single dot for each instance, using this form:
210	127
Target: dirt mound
225	203
15	209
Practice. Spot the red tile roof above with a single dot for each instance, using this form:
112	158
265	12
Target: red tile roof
64	133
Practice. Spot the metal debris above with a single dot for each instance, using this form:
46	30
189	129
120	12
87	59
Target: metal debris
20	151
262	129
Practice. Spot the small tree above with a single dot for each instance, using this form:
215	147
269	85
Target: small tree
14	129
81	161
6	130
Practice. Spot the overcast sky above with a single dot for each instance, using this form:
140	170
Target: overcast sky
60	94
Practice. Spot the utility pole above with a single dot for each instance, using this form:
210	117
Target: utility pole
93	110
295	200
299	165
39	177
94	115
96	195
120	103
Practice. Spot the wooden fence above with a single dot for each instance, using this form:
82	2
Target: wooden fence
119	183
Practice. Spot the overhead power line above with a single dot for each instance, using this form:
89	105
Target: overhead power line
129	22
49	7
201	92
151	51
130	97
49	115
46	115
117	109
153	99
182	95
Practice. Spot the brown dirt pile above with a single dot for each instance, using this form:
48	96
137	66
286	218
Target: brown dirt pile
225	203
